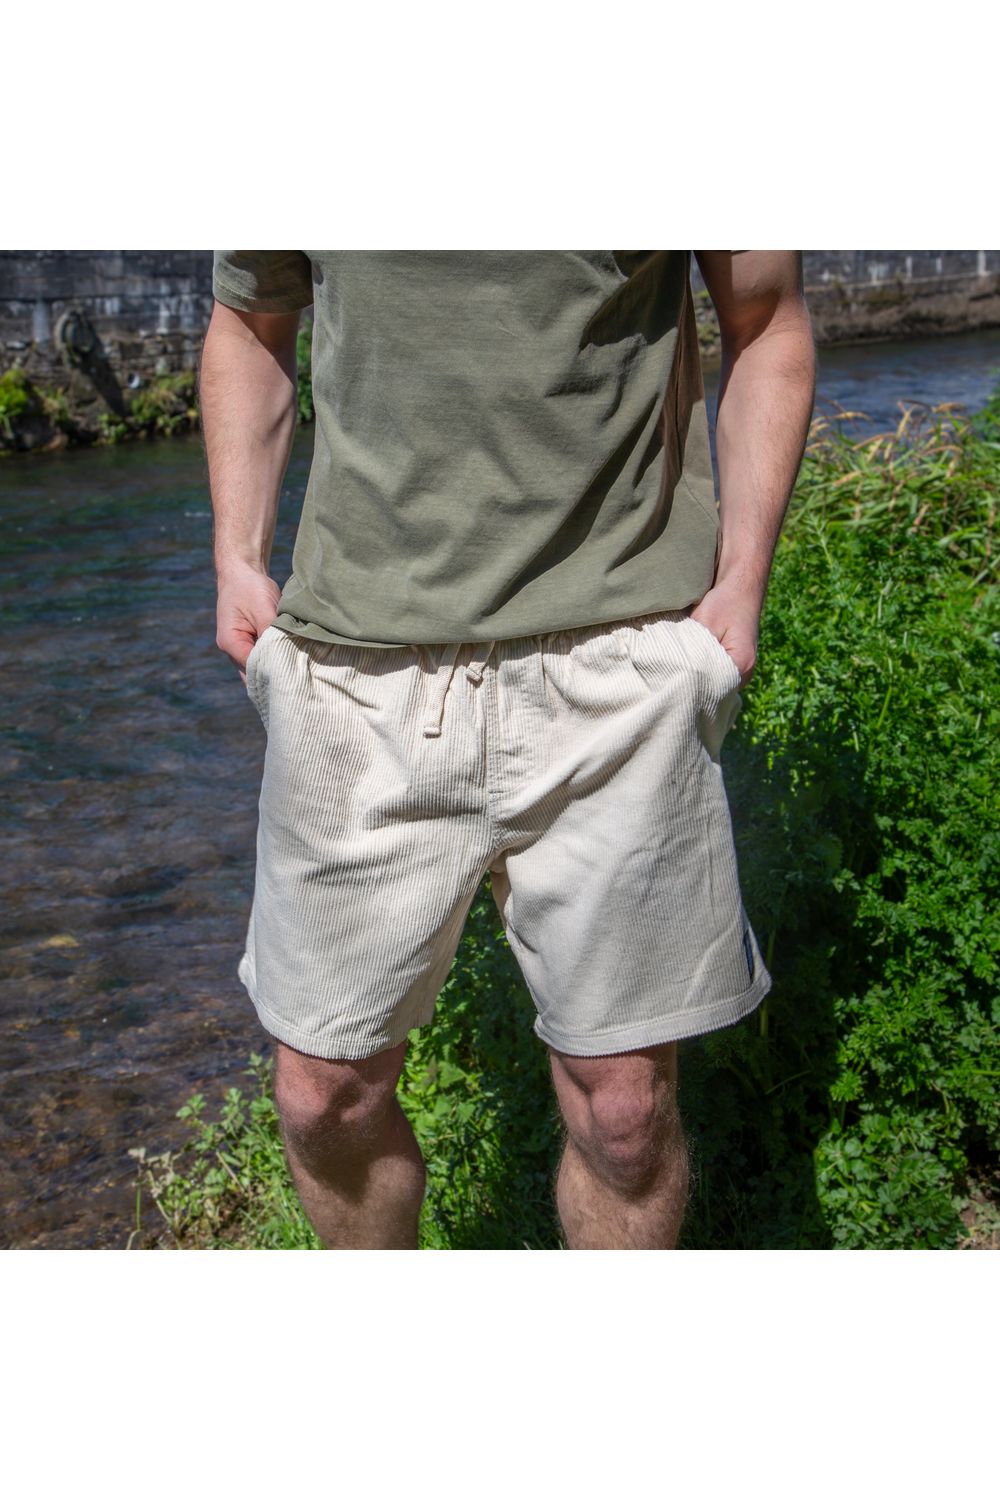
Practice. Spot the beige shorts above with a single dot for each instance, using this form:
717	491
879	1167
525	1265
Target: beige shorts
580	768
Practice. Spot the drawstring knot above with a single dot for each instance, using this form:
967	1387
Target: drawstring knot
442	681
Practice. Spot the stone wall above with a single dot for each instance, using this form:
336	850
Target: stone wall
149	308
862	296
145	311
874	266
863	267
897	308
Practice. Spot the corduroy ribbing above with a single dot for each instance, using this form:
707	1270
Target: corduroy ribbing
581	768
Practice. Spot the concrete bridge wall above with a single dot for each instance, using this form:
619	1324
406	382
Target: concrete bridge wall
150	307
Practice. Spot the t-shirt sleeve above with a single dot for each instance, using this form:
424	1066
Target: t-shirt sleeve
262	280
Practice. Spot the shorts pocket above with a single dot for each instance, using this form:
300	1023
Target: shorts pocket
676	654
729	672
251	668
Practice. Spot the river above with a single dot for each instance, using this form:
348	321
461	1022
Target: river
131	758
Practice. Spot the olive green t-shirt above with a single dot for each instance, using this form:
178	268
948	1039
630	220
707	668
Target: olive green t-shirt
507	443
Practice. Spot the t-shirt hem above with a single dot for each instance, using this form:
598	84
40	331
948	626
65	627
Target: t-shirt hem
478	634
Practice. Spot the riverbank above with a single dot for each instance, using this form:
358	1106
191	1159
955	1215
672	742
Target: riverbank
92	410
43	418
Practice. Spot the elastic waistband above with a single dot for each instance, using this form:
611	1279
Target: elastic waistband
480	653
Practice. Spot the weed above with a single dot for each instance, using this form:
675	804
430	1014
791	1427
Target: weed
229	1184
165	405
15	397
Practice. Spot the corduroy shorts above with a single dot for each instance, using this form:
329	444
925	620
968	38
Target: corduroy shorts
581	768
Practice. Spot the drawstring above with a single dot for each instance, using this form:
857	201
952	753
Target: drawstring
442	682
474	669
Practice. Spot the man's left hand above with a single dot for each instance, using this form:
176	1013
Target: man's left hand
734	619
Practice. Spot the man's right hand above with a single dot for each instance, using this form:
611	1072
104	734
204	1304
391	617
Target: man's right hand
247	603
247	385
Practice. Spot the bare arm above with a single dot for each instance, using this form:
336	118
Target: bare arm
247	385
766	395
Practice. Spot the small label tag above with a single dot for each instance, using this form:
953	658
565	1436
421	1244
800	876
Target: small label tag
748	952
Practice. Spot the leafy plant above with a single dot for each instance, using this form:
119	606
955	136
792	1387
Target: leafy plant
303	363
235	1188
165	405
15	396
112	428
863	775
55	405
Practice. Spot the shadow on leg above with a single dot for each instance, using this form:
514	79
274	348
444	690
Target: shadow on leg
352	1154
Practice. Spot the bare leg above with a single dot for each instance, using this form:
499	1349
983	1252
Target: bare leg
353	1156
622	1182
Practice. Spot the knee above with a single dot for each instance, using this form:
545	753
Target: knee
330	1111
628	1136
621	1114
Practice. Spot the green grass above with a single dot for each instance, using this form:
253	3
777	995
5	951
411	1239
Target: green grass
859	1106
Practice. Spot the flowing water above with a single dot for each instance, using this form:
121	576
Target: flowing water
131	759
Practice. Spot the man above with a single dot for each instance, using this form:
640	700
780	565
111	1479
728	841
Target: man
512	641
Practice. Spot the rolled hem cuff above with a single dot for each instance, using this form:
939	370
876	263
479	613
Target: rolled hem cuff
289	303
667	1029
306	1042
